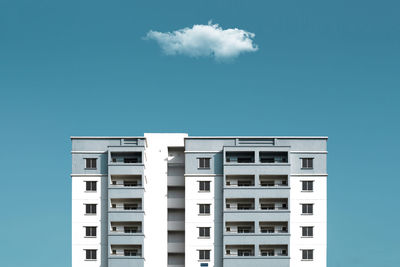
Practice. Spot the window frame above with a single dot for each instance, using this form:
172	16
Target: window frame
90	187
305	185
204	232
89	231
307	231
91	254
204	254
88	210
307	166
202	163
205	185
203	209
89	163
306	210
307	254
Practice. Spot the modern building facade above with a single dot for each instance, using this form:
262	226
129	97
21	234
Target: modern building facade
170	200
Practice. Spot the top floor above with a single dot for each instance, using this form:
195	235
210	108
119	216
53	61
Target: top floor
204	155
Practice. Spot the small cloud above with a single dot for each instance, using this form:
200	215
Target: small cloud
205	40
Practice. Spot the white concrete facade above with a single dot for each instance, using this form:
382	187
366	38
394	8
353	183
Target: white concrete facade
169	196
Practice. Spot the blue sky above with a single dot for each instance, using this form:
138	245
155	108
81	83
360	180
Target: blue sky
83	68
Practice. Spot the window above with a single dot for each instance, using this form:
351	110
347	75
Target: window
307	208
244	229
91	163
307	163
204	163
204	208
90	208
267	229
244	183
267	252
130	252
204	231
267	206
245	252
307	231
130	183
204	186
132	206
91	254
131	160
91	186
244	206
90	231
204	254
308	185
308	254
130	229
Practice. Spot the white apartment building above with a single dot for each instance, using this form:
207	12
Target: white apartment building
170	200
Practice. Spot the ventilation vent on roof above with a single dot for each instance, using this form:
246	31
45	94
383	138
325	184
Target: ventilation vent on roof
130	141
256	141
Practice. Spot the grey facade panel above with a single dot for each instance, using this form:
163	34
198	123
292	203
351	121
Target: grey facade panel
121	261
125	216
124	239
137	192
243	216
256	239
256	261
256	192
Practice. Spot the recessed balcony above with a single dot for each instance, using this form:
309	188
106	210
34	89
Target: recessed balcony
126	204
126	228
273	157
273	250
126	251
273	204
239	227
239	250
273	227
239	180
239	204
126	181
273	180
240	157
126	157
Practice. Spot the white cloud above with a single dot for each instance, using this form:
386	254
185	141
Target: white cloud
205	40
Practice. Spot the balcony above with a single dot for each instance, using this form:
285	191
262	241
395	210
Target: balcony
126	157
273	157
239	204
239	227
239	250
240	157
239	180
126	228
274	181
273	227
126	181
273	250
126	204
271	204
131	251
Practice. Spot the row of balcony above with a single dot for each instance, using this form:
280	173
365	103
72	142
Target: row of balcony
271	204
231	204
250	180
250	157
265	227
135	227
250	251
